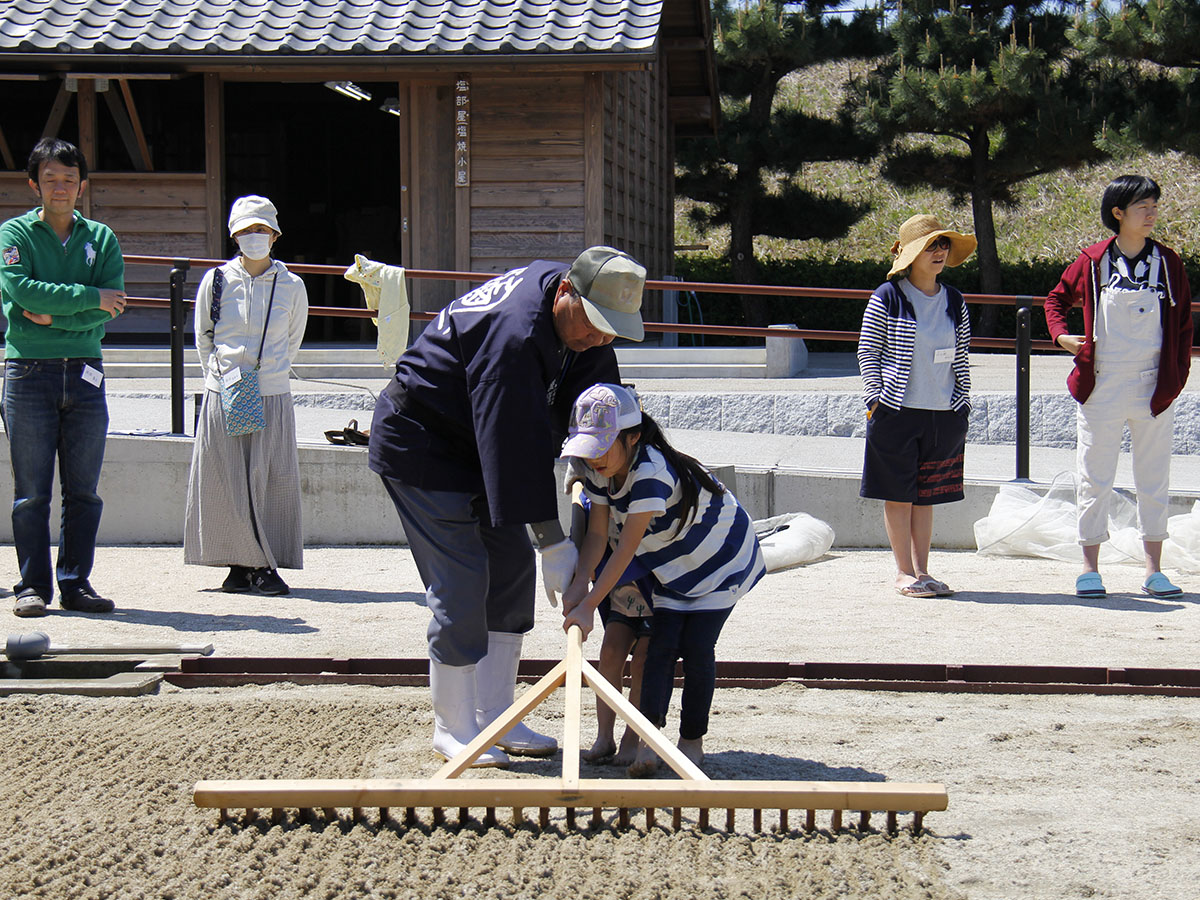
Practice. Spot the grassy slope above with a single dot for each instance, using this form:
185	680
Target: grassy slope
1057	213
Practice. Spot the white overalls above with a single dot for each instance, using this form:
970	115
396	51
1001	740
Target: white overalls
1128	335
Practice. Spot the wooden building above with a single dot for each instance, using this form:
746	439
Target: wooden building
436	134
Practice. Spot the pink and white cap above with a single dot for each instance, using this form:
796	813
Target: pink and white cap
600	413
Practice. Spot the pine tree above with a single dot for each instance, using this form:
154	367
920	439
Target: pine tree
1156	106
1001	90
746	174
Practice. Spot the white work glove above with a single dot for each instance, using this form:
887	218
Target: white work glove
558	568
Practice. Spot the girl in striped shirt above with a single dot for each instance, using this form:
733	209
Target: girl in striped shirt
660	507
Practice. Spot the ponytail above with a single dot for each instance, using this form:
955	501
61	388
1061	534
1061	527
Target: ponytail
692	475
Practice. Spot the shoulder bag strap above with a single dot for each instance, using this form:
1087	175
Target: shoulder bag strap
266	320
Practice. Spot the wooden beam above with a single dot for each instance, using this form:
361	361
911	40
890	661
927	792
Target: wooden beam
123	76
6	152
462	191
86	110
214	162
404	142
136	121
125	129
593	159
674	44
58	111
691	108
874	796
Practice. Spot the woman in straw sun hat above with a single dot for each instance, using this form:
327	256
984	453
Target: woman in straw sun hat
912	355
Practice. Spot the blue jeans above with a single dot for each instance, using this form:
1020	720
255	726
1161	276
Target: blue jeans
692	637
50	410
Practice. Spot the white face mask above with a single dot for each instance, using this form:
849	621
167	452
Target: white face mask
254	246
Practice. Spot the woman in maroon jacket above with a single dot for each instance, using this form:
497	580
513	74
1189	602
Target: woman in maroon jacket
1131	363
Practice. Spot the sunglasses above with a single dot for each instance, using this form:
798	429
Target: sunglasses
942	243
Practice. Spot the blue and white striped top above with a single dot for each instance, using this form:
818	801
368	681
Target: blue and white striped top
710	563
886	341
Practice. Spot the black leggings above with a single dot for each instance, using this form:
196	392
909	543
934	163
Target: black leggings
691	636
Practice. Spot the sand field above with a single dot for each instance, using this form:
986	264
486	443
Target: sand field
1065	796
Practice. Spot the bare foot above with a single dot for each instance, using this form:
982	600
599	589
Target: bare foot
601	750
645	765
628	750
692	748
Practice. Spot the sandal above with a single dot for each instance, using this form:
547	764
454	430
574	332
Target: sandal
939	588
354	436
1158	585
916	589
349	436
1089	585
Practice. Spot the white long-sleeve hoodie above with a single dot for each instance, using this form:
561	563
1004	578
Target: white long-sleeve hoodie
234	341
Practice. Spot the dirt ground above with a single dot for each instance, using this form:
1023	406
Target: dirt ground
1055	797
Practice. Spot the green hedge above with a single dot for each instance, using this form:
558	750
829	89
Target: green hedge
1033	278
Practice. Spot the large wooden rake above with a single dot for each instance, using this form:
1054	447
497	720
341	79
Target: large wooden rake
694	790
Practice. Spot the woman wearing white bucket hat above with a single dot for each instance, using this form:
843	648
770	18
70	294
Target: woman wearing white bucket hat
243	504
912	355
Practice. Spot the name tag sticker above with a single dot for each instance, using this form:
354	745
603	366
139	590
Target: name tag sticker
1150	376
945	355
232	377
92	376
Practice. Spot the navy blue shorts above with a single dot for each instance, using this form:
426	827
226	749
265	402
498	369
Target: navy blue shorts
914	456
641	626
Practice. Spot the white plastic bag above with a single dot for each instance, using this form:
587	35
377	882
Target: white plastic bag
1181	551
792	539
1022	522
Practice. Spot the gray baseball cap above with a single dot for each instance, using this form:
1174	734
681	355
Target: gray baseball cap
610	283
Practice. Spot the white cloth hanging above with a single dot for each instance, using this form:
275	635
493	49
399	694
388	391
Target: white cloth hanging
384	290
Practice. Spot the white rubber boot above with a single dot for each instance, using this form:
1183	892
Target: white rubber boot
496	682
453	689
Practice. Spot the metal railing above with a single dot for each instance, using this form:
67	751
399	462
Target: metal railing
1021	345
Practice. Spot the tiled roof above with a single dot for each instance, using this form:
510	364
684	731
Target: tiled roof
348	27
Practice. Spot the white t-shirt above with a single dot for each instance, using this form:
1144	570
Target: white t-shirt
931	377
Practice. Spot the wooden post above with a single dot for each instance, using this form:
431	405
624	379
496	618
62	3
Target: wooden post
86	110
214	162
593	159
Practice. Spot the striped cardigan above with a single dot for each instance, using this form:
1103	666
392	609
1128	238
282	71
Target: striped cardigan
885	347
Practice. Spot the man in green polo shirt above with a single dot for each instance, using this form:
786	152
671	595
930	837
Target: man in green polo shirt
62	277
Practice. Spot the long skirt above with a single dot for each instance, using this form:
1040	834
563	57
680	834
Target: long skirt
243	502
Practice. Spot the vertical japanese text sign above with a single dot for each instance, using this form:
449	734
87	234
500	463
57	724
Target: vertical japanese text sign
462	131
